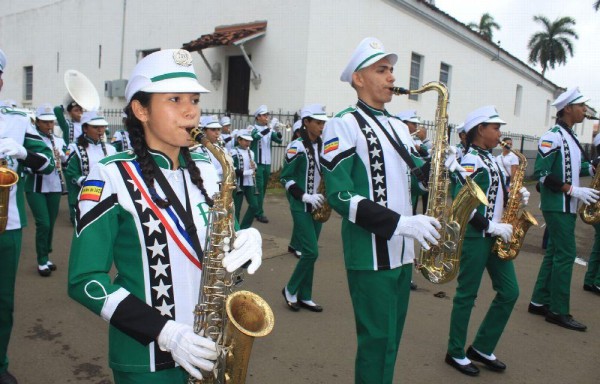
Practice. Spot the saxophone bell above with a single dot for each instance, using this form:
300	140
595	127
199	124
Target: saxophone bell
8	178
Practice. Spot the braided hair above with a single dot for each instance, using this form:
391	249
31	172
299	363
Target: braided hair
81	141
304	135
140	148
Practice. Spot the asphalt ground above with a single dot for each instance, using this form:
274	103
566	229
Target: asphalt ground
56	340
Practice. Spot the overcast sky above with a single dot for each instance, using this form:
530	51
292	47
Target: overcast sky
516	27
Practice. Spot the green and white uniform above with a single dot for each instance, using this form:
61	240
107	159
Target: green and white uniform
43	194
158	270
301	174
559	161
592	276
477	256
121	141
262	137
242	158
16	125
369	185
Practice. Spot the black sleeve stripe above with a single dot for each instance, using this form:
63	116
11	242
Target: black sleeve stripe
34	161
95	212
292	158
264	131
138	320
553	183
330	165
296	191
479	222
549	152
33	136
376	219
227	139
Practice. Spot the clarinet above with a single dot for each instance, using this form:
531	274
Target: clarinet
58	161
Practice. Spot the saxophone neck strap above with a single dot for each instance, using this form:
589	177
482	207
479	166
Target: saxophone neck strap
184	214
396	143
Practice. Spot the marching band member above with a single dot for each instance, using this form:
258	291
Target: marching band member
20	146
120	139
509	162
559	164
226	134
294	245
74	123
84	154
125	219
262	136
301	175
482	128
462	145
43	192
373	198
245	168
212	130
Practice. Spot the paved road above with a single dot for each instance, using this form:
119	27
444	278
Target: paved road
56	340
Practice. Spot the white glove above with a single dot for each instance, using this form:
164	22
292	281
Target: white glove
187	348
419	227
524	196
80	180
246	247
451	163
316	199
586	195
248	172
9	147
504	231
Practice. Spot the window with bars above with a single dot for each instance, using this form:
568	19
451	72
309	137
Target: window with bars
445	74
28	86
416	62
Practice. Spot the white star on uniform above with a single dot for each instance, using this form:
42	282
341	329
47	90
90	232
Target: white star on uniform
375	152
378	179
492	195
135	188
144	204
162	290
372	140
153	225
377	166
157	248
165	309
368	129
382	203
160	268
380	191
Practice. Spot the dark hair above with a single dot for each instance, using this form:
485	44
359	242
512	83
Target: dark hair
507	138
72	105
471	135
81	141
304	135
140	148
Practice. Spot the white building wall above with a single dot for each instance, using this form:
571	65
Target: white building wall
300	58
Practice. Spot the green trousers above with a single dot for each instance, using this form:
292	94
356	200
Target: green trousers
263	173
476	257
380	302
44	207
592	276
238	199
294	242
307	233
10	249
176	375
553	285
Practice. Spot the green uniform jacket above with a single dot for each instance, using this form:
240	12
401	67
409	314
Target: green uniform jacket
261	145
300	174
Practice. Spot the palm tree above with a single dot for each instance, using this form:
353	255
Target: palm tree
550	46
597	5
486	26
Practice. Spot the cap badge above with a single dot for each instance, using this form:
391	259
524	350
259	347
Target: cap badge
375	45
182	57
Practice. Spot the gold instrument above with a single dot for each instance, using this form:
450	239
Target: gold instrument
322	214
522	223
253	166
590	214
231	319
8	178
58	163
441	262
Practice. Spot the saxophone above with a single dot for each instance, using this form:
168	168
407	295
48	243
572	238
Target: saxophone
521	224
231	319
8	178
590	214
441	263
322	214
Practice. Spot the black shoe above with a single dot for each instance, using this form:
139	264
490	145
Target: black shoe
44	272
413	286
469	369
314	308
262	219
494	365
51	265
565	321
541	310
7	378
293	305
294	252
591	288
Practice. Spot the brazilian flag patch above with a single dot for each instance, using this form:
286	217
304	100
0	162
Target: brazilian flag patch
91	190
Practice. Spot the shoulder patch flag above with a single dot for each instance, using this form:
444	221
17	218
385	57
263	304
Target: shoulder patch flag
91	190
469	168
547	143
292	151
331	145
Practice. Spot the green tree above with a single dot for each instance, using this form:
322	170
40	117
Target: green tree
551	46
486	26
597	5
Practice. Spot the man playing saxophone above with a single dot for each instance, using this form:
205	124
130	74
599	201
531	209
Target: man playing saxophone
43	192
373	198
20	146
559	164
482	128
301	175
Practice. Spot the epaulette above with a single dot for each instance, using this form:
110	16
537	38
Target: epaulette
200	157
346	111
10	111
554	129
119	156
473	151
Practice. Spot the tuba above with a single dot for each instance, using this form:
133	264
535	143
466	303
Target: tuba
441	263
521	224
8	178
231	319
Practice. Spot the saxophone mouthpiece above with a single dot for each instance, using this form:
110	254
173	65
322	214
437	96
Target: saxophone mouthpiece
400	91
590	117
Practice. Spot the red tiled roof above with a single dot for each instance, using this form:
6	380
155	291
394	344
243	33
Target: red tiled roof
226	35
